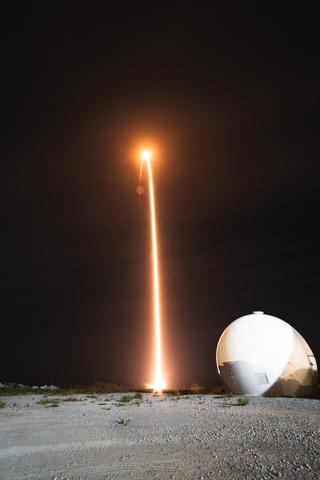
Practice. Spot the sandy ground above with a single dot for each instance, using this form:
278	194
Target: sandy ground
189	438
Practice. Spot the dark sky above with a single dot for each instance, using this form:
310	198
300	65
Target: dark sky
228	99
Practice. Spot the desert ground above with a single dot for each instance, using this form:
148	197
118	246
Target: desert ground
98	436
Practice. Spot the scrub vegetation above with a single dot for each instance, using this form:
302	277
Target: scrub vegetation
94	393
49	402
44	401
126	398
124	422
90	391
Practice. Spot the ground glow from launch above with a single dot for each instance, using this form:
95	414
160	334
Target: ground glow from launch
158	383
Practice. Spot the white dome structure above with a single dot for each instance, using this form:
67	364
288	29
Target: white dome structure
262	355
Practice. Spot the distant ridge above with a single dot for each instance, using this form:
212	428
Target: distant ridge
105	386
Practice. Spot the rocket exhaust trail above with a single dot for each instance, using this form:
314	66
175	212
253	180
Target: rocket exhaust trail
159	383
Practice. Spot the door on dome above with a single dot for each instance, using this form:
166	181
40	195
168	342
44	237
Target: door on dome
313	372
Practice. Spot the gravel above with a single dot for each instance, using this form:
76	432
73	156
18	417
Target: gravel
192	438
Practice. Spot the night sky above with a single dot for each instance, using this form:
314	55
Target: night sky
227	97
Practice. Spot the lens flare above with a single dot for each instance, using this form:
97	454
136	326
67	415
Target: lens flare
158	383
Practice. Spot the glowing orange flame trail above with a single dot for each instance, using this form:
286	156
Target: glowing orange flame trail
159	384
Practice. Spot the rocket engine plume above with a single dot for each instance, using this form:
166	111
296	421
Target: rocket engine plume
159	383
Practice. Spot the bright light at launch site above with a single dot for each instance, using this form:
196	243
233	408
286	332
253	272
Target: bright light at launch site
158	383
